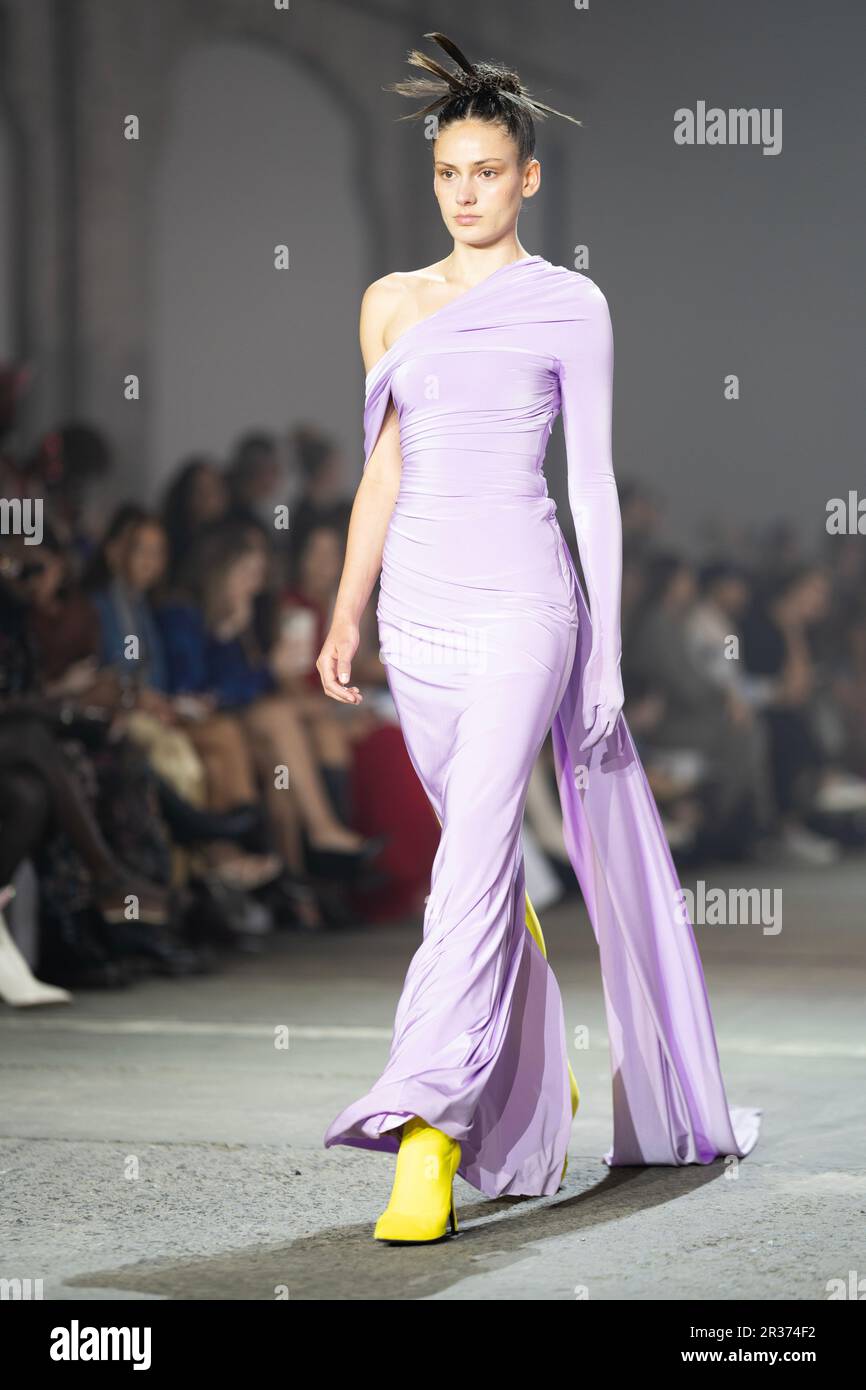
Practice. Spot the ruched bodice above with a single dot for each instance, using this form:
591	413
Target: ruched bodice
474	533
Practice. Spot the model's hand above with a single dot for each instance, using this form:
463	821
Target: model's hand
335	663
602	697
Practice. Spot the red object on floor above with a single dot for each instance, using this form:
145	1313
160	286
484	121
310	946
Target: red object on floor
388	797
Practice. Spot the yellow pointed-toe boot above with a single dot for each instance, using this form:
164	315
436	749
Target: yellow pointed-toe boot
421	1206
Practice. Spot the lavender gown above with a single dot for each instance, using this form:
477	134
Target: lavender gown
485	635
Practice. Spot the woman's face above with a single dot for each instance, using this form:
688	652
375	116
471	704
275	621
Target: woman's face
244	579
476	172
732	594
115	549
328	478
264	477
322	561
209	497
255	540
145	558
812	596
682	588
44	586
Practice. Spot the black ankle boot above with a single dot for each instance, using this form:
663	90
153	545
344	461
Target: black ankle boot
190	825
339	864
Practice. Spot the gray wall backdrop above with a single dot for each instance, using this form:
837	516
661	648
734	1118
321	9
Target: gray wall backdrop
262	126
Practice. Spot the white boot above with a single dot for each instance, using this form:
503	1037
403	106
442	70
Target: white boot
18	985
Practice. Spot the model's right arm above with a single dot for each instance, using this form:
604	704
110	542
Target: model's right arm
371	511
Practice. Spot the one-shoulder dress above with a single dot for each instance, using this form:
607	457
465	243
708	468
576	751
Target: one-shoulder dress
485	634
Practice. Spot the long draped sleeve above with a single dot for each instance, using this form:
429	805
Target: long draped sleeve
585	371
669	1099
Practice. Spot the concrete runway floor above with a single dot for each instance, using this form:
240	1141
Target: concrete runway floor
159	1143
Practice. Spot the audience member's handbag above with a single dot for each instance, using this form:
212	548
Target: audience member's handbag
171	754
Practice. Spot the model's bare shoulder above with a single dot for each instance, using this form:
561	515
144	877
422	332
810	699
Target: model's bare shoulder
382	300
395	302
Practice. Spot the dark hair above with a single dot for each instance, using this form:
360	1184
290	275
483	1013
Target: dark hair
779	584
333	518
718	571
216	548
73	454
177	504
97	573
661	570
51	540
312	450
247	454
485	91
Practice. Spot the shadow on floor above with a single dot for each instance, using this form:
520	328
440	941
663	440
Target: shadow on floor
346	1263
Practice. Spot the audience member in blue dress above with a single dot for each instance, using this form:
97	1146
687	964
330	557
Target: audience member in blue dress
134	561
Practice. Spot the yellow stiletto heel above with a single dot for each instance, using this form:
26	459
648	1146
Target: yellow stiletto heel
421	1207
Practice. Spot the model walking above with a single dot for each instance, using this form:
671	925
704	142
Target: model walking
488	642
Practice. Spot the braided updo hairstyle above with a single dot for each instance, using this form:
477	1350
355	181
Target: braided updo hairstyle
486	91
